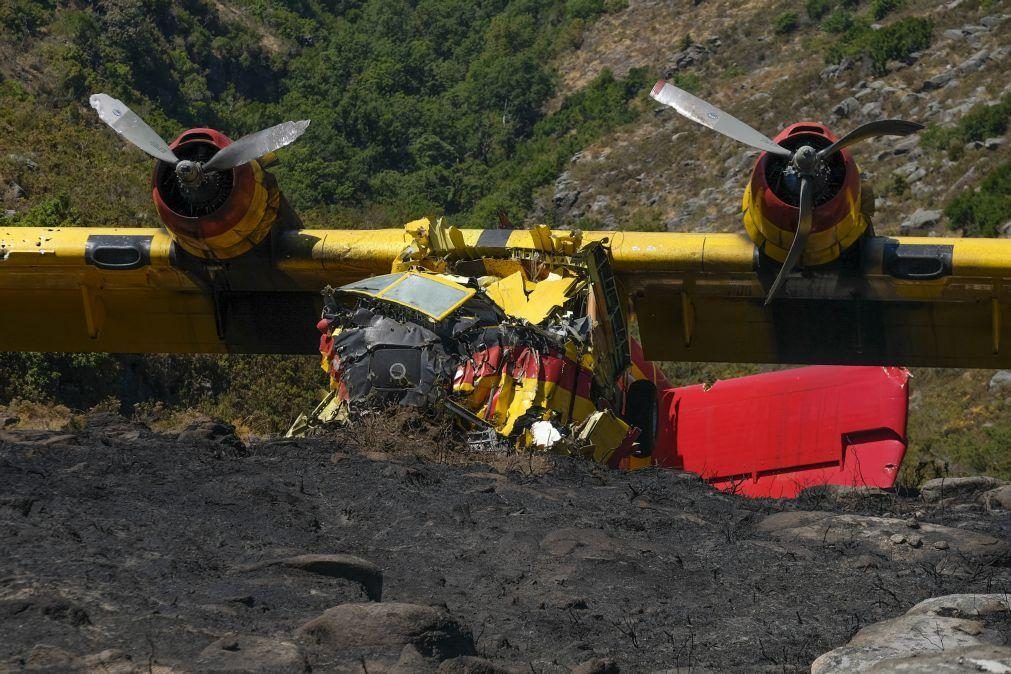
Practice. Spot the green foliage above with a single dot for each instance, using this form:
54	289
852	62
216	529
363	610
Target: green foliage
981	212
785	23
882	8
982	122
816	9
55	211
264	393
894	42
22	18
837	22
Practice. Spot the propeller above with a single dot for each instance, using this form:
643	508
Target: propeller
805	162
191	174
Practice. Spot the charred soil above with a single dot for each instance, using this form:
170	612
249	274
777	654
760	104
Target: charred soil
130	549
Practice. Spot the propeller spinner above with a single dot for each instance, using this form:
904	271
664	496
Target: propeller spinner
804	170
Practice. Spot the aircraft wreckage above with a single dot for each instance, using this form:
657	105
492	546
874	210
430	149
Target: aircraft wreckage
541	338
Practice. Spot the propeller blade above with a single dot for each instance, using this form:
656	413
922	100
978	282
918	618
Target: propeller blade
708	115
126	123
804	223
255	145
882	127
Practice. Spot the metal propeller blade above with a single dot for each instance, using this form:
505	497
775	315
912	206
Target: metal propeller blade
804	223
126	123
882	127
255	145
709	115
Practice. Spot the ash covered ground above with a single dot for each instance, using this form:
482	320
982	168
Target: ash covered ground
130	550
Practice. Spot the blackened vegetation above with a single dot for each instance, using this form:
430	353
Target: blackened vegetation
116	537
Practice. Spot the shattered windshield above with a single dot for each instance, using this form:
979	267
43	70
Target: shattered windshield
427	295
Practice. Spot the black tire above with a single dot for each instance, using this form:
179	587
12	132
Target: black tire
642	410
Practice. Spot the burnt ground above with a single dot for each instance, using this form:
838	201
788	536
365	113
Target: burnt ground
158	547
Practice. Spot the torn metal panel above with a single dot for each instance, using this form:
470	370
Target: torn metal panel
509	340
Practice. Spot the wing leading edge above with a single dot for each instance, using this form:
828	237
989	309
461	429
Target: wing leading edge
697	297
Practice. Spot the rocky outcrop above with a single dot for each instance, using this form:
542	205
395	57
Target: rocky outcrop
954	633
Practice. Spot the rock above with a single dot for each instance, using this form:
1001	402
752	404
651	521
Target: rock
846	108
938	81
950	661
348	567
974	62
566	193
953	34
23	161
906	145
872	109
997	499
1000	380
691	55
246	653
903	637
600	203
921	219
880	535
964	606
993	20
994	143
8	421
213	432
432	631
597	666
934	490
467	664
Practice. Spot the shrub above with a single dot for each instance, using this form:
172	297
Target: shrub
895	42
786	22
982	122
882	8
819	8
837	22
981	213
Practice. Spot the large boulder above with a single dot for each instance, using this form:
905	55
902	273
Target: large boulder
934	490
941	634
346	567
906	540
245	653
430	630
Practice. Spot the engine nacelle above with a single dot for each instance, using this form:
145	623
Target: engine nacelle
224	215
772	197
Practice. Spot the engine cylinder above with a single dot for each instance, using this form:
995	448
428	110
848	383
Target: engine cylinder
771	200
224	214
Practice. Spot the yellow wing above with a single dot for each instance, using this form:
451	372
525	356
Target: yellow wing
696	297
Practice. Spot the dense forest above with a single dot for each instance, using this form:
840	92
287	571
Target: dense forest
431	107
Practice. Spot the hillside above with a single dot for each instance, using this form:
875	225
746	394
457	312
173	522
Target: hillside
534	108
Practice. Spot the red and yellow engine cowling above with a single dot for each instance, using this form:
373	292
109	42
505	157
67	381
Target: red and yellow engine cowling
237	216
837	224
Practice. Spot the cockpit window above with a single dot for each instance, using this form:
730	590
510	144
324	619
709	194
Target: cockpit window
428	295
435	298
373	285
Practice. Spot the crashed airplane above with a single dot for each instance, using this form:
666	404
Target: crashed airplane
531	345
539	338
